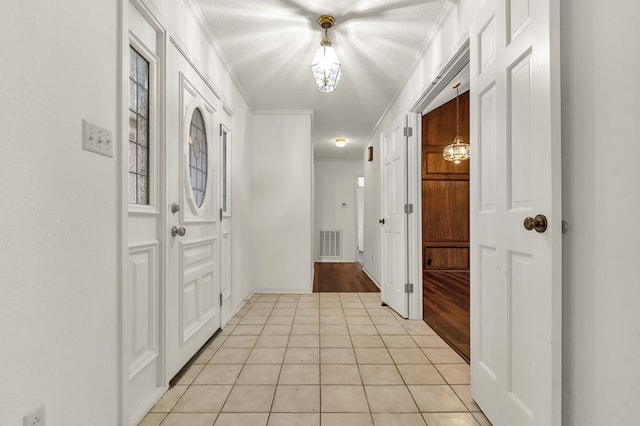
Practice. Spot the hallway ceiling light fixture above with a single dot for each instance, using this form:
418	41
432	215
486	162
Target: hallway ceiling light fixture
459	150
341	142
325	65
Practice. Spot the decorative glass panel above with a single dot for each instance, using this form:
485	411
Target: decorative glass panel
198	157
138	128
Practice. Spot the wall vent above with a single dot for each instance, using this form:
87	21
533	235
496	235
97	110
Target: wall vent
331	244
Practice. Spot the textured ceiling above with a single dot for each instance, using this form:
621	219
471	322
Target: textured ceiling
269	45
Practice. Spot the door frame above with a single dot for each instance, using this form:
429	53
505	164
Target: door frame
414	171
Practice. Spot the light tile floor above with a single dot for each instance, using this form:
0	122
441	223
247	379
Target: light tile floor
328	359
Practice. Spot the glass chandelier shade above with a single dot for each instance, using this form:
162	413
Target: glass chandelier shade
325	65
459	150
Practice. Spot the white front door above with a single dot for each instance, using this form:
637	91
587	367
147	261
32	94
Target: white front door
393	221
193	182
515	174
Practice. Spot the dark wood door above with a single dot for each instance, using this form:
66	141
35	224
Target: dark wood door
445	227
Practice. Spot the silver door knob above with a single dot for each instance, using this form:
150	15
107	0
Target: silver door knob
175	231
175	208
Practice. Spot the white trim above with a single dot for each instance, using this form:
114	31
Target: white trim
217	48
195	65
309	112
414	171
227	108
371	277
137	416
300	290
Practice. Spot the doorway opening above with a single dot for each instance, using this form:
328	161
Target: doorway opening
347	276
445	218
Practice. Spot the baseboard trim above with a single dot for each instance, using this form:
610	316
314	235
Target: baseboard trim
371	278
283	290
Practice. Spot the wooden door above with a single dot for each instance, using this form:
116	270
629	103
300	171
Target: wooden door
516	281
193	180
445	227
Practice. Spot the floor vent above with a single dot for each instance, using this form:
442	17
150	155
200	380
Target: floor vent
331	244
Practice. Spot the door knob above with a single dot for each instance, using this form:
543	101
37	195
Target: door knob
175	208
539	223
178	231
381	221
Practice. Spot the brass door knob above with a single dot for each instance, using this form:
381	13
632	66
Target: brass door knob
539	223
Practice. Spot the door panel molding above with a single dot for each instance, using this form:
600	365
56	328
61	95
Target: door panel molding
197	280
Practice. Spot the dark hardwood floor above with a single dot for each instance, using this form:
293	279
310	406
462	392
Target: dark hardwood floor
341	277
446	307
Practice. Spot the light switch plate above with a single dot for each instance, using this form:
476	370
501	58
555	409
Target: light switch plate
96	139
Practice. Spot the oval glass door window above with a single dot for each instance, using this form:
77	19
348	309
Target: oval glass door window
198	157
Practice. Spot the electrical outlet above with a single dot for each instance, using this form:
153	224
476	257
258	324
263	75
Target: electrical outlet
97	139
34	418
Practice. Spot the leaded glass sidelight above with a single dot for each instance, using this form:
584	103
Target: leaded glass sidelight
198	157
138	128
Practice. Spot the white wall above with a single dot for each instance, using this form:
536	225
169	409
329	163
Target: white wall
282	202
58	263
59	246
601	200
372	213
335	183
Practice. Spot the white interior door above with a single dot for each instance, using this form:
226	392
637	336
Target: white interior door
515	174
193	181
393	221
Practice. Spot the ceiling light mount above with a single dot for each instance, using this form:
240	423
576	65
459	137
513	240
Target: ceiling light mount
325	65
326	21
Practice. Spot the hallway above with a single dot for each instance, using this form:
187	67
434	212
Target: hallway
324	358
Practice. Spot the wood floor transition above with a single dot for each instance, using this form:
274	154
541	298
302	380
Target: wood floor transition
341	277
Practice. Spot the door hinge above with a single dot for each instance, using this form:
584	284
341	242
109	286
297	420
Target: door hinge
220	129
408	288
408	208
220	299
408	131
220	214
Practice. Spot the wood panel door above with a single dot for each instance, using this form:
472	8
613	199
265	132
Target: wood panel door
516	274
445	227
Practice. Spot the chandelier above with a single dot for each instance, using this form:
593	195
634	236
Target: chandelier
459	150
325	66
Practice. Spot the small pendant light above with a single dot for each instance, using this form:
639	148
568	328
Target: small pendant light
459	150
325	65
